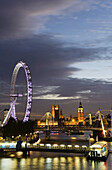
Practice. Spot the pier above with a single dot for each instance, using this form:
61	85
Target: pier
47	147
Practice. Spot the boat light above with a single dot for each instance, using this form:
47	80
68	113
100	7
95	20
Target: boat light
41	144
55	144
77	146
62	145
84	146
48	144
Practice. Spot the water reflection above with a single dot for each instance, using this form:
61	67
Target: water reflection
54	163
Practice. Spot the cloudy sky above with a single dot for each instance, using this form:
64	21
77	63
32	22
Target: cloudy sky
68	47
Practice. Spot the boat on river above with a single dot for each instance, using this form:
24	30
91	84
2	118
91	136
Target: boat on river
98	151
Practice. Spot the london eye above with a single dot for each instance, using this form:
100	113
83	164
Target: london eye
14	96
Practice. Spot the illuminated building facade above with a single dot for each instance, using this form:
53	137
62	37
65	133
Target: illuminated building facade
51	123
80	114
61	115
55	112
71	122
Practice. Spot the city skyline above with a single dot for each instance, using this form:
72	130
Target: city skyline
68	48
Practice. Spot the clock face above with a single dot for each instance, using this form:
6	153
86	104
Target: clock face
80	110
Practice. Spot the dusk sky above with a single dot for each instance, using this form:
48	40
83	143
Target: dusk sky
67	45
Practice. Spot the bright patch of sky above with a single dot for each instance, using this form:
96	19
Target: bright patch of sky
82	25
41	89
56	97
94	70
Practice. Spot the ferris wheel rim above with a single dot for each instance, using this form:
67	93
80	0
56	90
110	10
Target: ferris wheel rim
23	65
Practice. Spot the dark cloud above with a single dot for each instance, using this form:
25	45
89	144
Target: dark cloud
24	17
18	18
49	59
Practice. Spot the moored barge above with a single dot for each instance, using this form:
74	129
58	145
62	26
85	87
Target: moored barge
98	151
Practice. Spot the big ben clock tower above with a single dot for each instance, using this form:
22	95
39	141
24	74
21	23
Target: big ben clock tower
80	113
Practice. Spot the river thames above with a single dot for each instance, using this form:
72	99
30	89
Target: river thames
55	161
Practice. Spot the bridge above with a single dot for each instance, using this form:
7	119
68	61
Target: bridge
72	130
65	128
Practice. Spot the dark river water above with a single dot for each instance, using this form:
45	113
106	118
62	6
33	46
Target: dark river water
55	161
